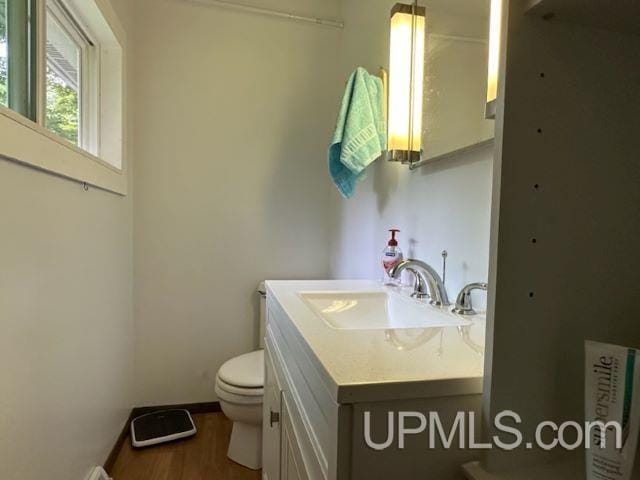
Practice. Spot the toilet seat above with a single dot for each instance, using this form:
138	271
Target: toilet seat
249	392
241	379
239	396
245	371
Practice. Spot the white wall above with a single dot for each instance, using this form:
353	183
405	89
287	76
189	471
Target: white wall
442	206
234	112
66	345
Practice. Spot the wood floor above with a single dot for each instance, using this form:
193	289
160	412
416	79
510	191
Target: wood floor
203	457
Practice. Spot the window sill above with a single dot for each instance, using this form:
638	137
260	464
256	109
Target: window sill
26	142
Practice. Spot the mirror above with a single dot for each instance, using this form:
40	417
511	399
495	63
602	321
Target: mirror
456	76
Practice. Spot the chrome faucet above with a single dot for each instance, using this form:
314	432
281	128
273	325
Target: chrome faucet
463	302
427	281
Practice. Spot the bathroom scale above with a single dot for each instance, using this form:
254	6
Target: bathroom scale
161	427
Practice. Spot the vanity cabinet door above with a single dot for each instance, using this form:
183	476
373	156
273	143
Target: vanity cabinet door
271	421
292	465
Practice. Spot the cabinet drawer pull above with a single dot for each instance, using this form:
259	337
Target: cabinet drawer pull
274	417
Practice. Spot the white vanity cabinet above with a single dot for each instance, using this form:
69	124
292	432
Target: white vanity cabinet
292	466
282	457
271	419
288	450
314	423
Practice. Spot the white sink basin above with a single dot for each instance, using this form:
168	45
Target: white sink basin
377	310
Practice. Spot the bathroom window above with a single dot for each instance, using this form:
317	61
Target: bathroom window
62	89
68	74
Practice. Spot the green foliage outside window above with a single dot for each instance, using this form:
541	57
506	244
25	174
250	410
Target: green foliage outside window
62	108
3	81
3	44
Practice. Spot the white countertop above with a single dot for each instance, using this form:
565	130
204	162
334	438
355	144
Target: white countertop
366	365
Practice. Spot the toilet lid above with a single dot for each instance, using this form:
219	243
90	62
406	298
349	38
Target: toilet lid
246	371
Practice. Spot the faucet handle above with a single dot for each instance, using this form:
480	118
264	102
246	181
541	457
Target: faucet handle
463	302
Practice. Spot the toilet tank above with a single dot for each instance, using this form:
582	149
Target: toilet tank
262	292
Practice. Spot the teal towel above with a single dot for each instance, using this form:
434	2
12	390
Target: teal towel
360	136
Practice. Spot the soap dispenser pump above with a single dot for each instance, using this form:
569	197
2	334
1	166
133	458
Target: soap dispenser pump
391	256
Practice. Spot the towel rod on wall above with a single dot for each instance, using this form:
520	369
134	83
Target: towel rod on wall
265	11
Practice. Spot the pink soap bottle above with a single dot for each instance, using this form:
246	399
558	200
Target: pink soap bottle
391	256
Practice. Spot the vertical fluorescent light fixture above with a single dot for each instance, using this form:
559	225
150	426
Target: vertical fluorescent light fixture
406	82
495	39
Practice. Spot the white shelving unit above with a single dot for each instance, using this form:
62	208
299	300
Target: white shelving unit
621	16
564	222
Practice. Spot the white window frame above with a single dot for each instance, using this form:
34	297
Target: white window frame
89	73
100	159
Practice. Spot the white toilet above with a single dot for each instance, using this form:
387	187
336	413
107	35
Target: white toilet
240	388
